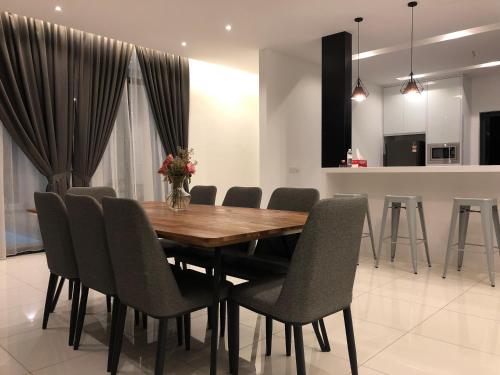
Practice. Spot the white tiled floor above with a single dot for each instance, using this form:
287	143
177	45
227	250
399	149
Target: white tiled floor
404	324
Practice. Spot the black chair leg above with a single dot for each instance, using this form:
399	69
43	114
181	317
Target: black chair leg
112	332
351	344
82	309
318	335
223	307
288	339
179	330
299	349
326	343
74	311
70	289
269	335
209	317
118	339
108	304
187	331
144	321
162	347
234	336
58	293
137	317
49	298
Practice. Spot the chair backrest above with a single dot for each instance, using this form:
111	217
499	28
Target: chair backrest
56	235
321	274
289	199
96	192
203	195
143	276
86	221
249	197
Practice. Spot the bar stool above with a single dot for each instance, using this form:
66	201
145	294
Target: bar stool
489	219
368	218
411	203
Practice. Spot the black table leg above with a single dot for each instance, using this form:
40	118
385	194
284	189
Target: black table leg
215	311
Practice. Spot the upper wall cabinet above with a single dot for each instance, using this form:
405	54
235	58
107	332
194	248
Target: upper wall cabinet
403	115
445	111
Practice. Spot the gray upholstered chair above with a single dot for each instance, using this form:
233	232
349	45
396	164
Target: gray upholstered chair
97	192
272	258
144	278
319	281
203	195
56	237
92	257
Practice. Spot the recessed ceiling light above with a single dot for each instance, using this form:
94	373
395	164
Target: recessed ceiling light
229	27
184	44
58	8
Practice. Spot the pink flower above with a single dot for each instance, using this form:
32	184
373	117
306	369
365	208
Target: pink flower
190	168
168	160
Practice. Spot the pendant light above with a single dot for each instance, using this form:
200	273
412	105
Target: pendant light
412	87
359	92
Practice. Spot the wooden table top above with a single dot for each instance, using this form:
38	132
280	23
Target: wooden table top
214	226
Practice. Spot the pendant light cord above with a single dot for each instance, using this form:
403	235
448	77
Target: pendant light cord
358	51
411	48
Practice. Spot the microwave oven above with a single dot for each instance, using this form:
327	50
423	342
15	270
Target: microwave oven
443	153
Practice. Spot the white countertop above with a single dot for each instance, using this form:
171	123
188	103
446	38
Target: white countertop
426	169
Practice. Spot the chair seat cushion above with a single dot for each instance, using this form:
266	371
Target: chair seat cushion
255	267
197	288
260	296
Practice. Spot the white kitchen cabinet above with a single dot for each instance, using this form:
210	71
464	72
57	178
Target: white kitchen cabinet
393	111
445	111
402	114
415	113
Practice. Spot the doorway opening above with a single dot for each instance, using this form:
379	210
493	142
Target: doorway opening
489	146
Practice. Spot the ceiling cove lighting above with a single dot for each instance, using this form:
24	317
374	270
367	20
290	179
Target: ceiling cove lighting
58	8
412	87
359	92
229	27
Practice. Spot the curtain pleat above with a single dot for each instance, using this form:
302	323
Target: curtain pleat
102	74
166	78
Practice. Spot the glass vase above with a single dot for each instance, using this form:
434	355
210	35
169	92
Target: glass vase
178	199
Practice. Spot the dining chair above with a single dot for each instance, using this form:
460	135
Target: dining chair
86	221
272	257
319	282
97	192
144	278
56	237
203	195
236	196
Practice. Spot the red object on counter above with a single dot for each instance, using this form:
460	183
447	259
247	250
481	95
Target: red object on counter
359	163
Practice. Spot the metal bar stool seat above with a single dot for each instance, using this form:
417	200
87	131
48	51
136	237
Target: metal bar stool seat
411	203
368	219
462	207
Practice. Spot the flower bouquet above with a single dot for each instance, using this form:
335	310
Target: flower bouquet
176	171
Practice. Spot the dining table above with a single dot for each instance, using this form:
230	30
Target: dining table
216	227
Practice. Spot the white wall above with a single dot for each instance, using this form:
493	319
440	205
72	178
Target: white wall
224	126
368	126
290	122
485	94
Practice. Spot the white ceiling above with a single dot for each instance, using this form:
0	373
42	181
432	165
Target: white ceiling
164	24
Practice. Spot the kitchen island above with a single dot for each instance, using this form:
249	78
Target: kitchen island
437	185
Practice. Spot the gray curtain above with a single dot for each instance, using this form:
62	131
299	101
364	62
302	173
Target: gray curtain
101	76
166	78
37	63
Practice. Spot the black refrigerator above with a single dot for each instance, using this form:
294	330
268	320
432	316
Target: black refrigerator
404	150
